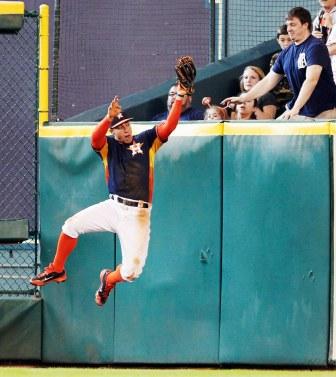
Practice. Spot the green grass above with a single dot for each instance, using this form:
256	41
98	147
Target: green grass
146	372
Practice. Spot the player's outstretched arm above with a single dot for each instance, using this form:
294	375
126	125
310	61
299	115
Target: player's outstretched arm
166	128
98	137
186	73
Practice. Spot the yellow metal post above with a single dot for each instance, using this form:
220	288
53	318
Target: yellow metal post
44	65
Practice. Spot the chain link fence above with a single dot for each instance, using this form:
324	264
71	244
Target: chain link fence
242	25
18	153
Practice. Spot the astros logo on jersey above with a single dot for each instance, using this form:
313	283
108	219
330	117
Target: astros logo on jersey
136	148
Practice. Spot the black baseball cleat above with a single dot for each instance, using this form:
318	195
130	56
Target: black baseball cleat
48	275
104	288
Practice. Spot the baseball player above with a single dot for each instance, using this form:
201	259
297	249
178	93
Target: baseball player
129	166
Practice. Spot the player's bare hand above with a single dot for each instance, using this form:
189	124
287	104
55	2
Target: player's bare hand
206	101
114	109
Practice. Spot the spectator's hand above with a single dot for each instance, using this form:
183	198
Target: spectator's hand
288	114
206	101
328	21
114	109
232	100
317	34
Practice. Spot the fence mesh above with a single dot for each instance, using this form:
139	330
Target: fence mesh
245	25
18	151
109	48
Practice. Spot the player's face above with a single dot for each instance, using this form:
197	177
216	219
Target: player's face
172	96
296	30
284	41
250	78
123	133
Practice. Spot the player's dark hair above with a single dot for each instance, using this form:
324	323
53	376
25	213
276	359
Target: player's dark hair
302	14
282	30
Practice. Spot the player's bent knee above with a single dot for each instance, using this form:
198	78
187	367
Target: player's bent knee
130	274
131	277
70	229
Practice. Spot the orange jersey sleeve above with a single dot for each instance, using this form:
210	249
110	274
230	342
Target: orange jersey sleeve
166	128
98	137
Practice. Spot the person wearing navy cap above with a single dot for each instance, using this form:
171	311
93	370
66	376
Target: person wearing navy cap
129	170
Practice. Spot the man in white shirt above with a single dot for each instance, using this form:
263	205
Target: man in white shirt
324	27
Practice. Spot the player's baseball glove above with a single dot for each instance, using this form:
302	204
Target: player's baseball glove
186	73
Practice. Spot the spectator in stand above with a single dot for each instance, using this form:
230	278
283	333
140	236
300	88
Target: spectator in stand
306	63
214	112
324	28
244	111
188	113
266	104
282	91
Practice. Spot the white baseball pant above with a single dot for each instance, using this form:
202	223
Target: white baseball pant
131	224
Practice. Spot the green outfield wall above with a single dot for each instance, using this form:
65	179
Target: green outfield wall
239	266
20	328
276	249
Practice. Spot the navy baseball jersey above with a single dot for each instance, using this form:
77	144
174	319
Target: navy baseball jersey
129	168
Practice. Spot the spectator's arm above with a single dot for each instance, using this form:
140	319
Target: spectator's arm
332	49
263	86
317	34
260	88
313	74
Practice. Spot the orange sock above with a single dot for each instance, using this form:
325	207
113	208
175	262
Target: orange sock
114	277
65	246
